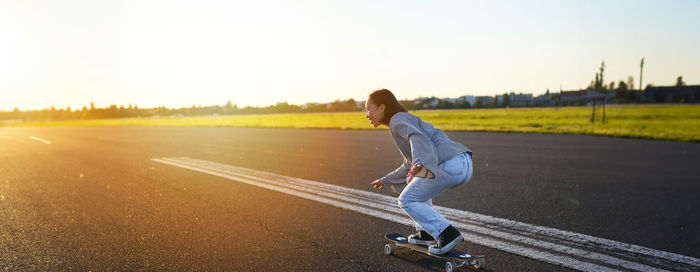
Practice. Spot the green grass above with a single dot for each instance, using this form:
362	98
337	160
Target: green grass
659	122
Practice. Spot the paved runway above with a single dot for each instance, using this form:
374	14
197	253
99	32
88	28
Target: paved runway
190	198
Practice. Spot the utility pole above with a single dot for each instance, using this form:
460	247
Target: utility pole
641	69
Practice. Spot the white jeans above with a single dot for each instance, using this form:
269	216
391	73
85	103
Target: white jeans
416	197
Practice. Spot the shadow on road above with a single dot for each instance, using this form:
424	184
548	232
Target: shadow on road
428	263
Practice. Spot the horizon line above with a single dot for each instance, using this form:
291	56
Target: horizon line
281	102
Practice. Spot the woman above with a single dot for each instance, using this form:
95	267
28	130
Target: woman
432	163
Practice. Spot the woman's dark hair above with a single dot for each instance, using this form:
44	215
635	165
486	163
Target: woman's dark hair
384	96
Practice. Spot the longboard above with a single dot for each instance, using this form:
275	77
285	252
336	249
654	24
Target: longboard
455	258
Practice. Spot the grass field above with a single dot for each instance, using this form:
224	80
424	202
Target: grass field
660	122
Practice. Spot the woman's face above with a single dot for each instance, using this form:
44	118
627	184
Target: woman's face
374	113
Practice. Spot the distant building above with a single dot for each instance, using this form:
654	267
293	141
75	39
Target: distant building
672	94
516	100
572	97
587	96
433	102
635	95
520	100
484	100
544	100
468	98
451	100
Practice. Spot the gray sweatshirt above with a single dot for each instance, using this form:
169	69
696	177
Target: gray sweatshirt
419	143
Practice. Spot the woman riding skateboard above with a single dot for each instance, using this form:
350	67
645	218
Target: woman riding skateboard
432	164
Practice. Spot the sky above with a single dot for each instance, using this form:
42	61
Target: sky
182	53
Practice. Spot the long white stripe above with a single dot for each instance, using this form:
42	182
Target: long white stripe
457	222
520	250
39	139
657	257
484	225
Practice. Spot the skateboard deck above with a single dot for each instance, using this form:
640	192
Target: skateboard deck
455	258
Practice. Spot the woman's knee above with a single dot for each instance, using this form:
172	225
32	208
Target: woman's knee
401	200
406	199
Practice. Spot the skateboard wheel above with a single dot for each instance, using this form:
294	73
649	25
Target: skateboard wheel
388	248
481	262
449	266
476	264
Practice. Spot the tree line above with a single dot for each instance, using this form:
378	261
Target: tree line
624	93
133	111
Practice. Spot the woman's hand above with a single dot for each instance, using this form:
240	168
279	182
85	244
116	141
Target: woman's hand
414	170
377	184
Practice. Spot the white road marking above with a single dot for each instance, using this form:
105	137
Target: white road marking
551	234
390	206
573	250
39	139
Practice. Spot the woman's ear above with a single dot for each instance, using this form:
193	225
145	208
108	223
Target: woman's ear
381	108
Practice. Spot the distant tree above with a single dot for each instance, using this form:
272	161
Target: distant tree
462	104
229	108
347	105
351	105
506	100
112	112
444	104
622	86
630	83
598	83
426	102
285	107
679	81
408	104
621	93
602	70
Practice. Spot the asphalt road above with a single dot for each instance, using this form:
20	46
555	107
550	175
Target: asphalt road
93	198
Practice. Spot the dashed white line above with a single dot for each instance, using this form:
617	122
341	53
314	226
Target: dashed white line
39	139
